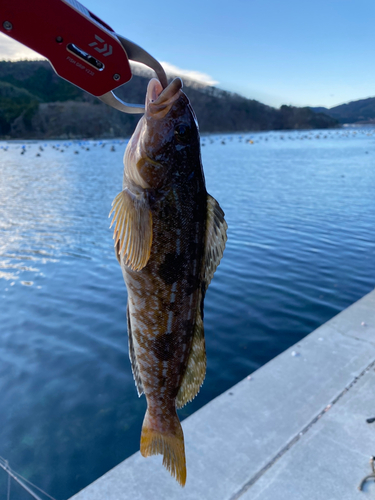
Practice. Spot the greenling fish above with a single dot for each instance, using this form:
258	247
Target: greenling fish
169	238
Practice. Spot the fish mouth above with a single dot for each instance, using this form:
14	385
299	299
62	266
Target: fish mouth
159	101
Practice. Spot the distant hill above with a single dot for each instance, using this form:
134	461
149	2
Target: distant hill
36	103
361	111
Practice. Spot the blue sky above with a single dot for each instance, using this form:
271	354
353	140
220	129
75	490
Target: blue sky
279	52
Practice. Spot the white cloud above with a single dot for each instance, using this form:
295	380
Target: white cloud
172	70
10	50
197	76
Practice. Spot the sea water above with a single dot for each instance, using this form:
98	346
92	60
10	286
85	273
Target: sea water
300	207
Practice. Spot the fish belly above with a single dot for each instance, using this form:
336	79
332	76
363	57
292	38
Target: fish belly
162	318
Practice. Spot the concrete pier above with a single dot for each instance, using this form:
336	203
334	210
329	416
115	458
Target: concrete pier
295	430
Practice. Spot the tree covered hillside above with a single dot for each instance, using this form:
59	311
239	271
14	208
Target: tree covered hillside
361	111
36	103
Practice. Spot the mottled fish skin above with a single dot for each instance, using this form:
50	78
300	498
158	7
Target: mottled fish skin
163	169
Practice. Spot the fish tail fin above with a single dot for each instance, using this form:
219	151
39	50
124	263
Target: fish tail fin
169	443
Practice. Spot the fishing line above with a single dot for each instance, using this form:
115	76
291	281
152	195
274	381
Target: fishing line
8	495
19	479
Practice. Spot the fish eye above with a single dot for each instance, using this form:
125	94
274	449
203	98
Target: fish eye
182	133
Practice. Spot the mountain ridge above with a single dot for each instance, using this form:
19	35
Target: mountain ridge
35	103
360	111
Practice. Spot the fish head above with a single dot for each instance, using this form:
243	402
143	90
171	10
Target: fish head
165	147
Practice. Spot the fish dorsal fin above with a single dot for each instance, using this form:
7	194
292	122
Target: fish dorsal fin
216	237
133	229
133	358
196	367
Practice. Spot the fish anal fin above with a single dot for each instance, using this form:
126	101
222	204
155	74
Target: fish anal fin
133	358
195	372
169	444
216	238
133	228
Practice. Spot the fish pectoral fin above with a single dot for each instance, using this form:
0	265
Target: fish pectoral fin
133	358
133	229
195	372
216	237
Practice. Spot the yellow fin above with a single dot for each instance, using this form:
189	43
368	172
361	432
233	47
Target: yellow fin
216	237
170	445
133	229
196	367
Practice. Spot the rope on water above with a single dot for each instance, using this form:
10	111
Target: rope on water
20	480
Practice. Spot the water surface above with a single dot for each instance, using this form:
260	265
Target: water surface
300	209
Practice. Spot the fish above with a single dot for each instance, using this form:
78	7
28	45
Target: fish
170	236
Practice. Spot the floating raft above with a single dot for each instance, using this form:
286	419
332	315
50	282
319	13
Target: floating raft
296	429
